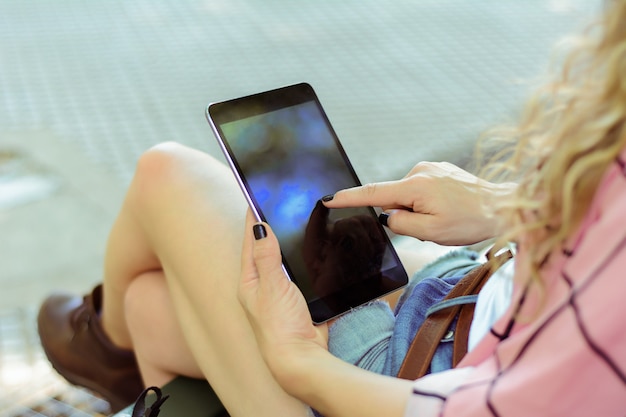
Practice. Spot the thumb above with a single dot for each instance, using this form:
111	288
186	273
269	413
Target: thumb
408	223
267	256
249	274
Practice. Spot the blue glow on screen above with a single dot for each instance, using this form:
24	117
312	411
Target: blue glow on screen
289	158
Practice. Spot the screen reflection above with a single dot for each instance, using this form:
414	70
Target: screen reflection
290	159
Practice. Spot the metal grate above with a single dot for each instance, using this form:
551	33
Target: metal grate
30	387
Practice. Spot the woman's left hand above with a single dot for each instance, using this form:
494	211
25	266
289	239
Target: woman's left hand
275	307
295	350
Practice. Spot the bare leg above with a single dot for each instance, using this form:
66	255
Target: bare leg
182	224
159	344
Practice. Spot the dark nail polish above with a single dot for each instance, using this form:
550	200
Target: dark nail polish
328	198
259	231
382	218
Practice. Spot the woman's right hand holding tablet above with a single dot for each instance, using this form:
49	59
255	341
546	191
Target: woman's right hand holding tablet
435	201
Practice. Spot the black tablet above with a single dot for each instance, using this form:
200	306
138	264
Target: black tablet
286	157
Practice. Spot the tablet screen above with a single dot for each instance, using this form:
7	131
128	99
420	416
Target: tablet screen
287	157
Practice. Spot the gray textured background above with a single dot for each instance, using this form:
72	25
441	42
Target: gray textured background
86	86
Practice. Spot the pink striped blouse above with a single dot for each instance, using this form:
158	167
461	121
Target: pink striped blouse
570	359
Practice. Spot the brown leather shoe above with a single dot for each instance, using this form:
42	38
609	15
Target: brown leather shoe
73	339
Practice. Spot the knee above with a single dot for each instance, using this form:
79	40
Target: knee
158	168
160	162
170	173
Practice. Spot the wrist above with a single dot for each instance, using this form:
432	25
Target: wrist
292	369
497	198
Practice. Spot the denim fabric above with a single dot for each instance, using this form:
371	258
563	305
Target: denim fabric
427	293
457	262
373	337
427	288
361	337
377	339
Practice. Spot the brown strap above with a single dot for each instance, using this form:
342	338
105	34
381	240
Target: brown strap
459	347
427	339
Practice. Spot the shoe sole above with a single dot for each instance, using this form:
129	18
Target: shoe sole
74	379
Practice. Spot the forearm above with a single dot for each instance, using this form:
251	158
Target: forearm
336	388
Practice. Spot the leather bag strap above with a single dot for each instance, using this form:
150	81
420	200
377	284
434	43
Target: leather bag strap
435	326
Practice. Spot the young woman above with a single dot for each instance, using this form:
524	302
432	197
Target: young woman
185	294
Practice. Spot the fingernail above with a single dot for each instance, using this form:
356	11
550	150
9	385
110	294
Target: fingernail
259	231
382	218
328	198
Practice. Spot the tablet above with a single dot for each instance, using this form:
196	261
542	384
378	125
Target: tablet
286	156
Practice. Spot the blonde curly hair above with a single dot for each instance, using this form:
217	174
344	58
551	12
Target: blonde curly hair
570	131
